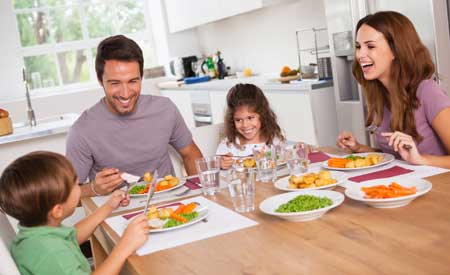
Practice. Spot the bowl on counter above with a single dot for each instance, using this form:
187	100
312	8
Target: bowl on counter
307	69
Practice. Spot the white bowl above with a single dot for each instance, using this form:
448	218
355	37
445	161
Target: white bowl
270	204
307	69
354	192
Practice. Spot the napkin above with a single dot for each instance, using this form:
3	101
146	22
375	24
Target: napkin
318	157
193	183
387	173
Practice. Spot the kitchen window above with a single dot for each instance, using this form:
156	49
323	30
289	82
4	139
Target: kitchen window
59	38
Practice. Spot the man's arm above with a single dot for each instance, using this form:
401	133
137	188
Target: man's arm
189	154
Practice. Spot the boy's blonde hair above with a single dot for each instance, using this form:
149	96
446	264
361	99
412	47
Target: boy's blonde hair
33	184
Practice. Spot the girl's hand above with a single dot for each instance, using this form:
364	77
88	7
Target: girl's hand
118	197
226	161
404	144
136	234
347	141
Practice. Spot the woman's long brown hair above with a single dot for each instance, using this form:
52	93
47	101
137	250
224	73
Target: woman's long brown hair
251	96
412	64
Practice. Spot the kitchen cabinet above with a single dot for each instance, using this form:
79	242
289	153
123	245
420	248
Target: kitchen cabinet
182	99
306	110
182	14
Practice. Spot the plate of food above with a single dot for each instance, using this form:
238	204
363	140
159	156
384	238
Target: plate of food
175	216
301	206
358	161
386	193
165	184
322	179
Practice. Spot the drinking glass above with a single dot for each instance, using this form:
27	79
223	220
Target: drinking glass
208	169
297	158
241	185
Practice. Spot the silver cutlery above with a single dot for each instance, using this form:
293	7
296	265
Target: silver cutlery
372	129
151	192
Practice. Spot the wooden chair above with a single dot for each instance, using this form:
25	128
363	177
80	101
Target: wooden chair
7	234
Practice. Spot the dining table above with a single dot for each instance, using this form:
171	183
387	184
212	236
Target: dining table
352	238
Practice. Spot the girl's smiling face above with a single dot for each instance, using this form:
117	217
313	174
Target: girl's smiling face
248	124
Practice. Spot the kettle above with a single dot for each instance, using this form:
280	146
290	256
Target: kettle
176	68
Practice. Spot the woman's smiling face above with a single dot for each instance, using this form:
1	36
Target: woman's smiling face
373	54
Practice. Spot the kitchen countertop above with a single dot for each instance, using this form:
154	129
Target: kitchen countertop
263	82
45	127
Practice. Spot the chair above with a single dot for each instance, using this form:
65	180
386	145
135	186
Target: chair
207	139
7	234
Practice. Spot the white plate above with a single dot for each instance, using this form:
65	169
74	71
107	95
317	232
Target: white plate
202	214
181	183
354	192
269	205
388	158
340	177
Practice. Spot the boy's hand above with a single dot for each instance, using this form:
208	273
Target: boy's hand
118	197
136	234
106	180
226	161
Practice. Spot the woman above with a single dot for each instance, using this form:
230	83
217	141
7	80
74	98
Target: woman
409	111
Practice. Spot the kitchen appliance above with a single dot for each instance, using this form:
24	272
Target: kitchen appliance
182	67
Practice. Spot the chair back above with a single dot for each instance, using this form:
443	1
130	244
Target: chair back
208	138
7	234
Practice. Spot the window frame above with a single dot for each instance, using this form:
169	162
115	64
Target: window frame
86	43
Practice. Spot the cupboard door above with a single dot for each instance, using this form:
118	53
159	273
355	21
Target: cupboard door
218	103
182	99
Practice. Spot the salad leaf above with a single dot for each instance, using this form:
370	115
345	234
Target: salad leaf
136	189
353	157
172	223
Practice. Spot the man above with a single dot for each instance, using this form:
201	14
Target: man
126	131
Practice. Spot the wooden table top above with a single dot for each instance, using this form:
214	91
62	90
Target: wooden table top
351	239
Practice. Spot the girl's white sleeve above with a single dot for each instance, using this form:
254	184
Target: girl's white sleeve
222	148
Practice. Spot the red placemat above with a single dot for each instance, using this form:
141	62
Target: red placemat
391	172
318	157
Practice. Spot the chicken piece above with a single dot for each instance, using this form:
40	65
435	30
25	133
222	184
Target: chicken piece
323	174
155	223
350	164
148	177
292	185
168	177
360	163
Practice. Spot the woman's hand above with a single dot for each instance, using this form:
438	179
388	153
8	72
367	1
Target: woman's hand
226	161
406	147
106	180
135	235
347	141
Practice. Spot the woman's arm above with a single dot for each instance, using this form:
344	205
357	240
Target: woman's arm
441	126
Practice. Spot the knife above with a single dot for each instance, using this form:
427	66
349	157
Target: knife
151	191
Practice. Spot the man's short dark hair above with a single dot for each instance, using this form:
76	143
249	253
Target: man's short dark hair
118	47
33	184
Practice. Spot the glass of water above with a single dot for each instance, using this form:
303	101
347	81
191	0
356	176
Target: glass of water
241	184
297	158
208	169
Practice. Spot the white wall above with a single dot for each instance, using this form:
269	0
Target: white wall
10	61
263	40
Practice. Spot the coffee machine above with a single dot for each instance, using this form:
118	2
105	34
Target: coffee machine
182	67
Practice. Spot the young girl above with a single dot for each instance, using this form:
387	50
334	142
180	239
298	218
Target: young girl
249	123
40	190
408	108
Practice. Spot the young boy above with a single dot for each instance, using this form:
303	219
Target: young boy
40	190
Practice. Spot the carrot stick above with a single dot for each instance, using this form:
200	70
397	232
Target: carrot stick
189	208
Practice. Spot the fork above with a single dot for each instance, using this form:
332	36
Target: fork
372	129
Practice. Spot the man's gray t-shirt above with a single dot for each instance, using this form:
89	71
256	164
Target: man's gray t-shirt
133	143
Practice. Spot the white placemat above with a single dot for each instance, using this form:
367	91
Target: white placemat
221	220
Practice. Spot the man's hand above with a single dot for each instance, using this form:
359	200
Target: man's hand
106	180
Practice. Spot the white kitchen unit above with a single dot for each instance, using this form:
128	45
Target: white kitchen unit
306	110
182	14
183	101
